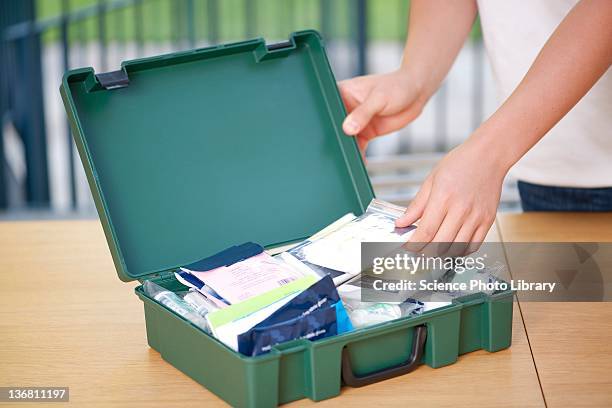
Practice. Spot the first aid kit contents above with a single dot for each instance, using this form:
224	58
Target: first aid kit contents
253	328
313	314
336	250
245	273
199	302
252	301
242	272
364	314
175	303
356	292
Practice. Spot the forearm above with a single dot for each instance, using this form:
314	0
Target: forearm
437	30
576	55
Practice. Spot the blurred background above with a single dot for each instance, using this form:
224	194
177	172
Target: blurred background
40	173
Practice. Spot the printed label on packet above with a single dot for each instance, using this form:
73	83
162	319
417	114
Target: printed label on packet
246	279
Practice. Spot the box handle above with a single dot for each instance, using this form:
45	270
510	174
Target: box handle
418	346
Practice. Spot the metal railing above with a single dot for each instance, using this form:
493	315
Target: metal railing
35	50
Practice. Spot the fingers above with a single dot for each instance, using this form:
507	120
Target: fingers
390	123
466	232
369	106
464	236
450	226
416	207
446	237
364	137
350	102
479	237
361	115
473	232
444	232
433	215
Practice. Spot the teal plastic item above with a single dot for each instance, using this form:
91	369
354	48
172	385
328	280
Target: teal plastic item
190	153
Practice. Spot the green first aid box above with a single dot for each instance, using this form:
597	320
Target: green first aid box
190	153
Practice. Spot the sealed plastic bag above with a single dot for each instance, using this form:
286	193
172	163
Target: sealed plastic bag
175	303
336	250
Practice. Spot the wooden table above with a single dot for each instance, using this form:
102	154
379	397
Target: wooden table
571	342
67	320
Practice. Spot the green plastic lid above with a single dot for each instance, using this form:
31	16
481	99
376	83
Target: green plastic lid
189	153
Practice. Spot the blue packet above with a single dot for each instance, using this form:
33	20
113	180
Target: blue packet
317	325
343	319
315	313
320	294
228	256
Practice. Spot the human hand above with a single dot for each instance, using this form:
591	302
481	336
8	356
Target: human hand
380	104
458	200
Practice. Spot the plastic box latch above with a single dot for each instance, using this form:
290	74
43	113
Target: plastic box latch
272	51
279	45
113	79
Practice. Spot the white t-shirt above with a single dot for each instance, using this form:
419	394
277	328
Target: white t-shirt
577	152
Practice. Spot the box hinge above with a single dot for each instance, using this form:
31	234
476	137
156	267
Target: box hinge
113	80
167	275
159	277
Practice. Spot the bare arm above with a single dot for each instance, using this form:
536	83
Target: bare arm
576	55
437	30
380	104
458	200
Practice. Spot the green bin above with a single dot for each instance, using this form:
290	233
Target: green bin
189	153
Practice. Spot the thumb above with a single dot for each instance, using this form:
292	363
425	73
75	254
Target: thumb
359	118
416	207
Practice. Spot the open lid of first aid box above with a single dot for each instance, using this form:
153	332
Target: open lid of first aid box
189	153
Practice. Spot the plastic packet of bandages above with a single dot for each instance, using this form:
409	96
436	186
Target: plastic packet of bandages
245	273
336	250
358	297
363	314
174	302
315	313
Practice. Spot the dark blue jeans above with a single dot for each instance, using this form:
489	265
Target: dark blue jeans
535	197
